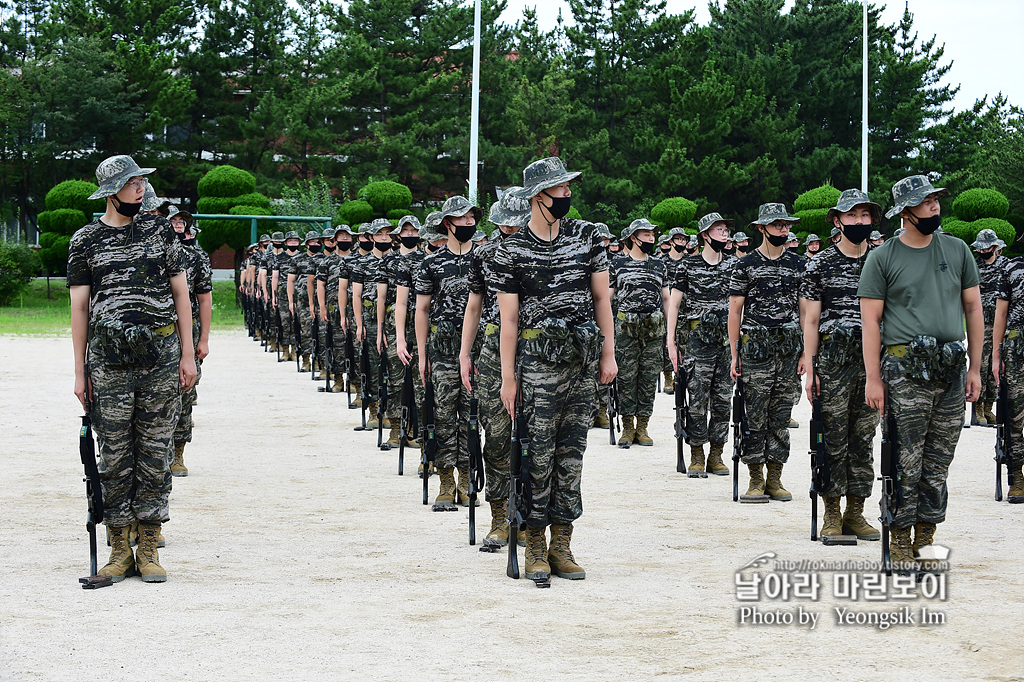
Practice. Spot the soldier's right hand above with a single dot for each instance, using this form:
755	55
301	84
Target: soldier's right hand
465	366
323	314
423	369
291	308
996	367
80	389
808	391
734	370
673	355
874	394
508	395
403	353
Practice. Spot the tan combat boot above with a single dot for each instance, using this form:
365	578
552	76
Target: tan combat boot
601	418
463	488
305	363
121	564
669	383
854	522
146	556
755	491
498	536
642	437
990	416
696	468
1015	495
537	566
178	467
371	414
715	464
901	551
773	486
395	437
445	500
924	535
133	536
832	524
628	432
560	557
339	383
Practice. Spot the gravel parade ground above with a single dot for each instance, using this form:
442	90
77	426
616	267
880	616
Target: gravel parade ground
296	552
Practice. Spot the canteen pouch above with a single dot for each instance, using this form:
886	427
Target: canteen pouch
122	345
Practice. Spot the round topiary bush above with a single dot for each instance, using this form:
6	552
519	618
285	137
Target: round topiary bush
64	221
226	181
825	197
1003	229
961	229
73	194
814	220
673	212
573	213
397	214
216	204
385	196
356	212
18	264
53	252
974	204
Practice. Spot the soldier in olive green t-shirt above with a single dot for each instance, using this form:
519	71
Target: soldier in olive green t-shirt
919	288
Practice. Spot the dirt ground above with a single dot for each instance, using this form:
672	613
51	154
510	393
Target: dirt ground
295	552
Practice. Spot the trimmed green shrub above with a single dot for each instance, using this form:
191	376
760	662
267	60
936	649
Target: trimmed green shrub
673	212
64	221
226	181
1003	229
974	204
397	214
18	264
825	197
385	196
356	212
959	228
225	204
53	253
74	194
573	213
814	220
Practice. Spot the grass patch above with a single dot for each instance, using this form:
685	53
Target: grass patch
34	314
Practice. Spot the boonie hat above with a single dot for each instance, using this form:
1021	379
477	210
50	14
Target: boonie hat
114	172
769	213
911	191
851	198
545	174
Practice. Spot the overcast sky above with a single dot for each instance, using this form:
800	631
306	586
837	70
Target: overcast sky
982	37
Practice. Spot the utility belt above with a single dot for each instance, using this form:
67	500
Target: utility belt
710	328
554	342
445	338
927	359
840	346
125	345
642	325
762	343
369	305
490	329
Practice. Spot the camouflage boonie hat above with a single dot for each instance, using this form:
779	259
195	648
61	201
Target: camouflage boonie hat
456	207
364	228
190	222
911	191
379	224
603	232
478	235
264	238
677	232
291	234
987	239
638	224
277	237
835	233
429	234
693	241
710	219
875	235
769	213
342	228
740	237
512	209
663	239
811	238
793	239
432	220
172	211
850	199
327	233
409	220
113	172
545	174
150	201
311	235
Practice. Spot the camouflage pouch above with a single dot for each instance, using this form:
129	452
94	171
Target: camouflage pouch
791	339
951	361
711	331
1013	346
756	345
838	347
553	345
920	362
446	340
653	325
989	314
587	340
122	345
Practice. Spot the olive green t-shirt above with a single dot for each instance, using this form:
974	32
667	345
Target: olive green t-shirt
921	288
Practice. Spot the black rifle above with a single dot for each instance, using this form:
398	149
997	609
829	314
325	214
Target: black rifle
821	472
93	493
298	339
740	430
1003	427
429	443
383	379
613	410
409	417
364	376
520	490
315	360
891	478
682	425
280	332
476	464
350	366
327	365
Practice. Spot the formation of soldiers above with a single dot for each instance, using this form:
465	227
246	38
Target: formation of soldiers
440	331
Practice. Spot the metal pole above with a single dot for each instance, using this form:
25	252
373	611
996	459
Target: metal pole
864	108
474	121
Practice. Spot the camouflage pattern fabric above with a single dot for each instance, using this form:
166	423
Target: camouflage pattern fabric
128	269
929	418
451	410
480	274
329	273
849	424
638	353
283	265
495	420
705	286
770	288
709	387
993	280
770	392
832	278
386	274
200	281
134	413
444	276
1013	373
638	284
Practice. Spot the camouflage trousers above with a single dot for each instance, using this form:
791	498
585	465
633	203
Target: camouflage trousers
989	390
284	316
305	322
396	371
333	343
183	431
769	388
356	345
929	418
495	420
370	329
709	388
849	426
557	399
134	413
451	410
639	359
1013	367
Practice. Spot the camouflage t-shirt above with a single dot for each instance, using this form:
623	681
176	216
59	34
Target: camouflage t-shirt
638	283
128	269
993	276
771	288
552	278
386	274
444	276
480	276
284	265
199	275
832	278
705	286
365	272
1011	289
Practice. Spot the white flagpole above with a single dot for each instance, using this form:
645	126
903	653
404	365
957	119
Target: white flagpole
864	108
474	121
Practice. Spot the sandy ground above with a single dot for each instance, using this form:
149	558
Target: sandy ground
296	552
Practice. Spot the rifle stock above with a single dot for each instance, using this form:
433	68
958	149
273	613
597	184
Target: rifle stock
519	480
429	443
740	430
93	493
1004	425
681	425
407	412
476	464
820	464
891	478
613	410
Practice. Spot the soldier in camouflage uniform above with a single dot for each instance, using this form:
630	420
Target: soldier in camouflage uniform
664	248
640	287
992	268
364	295
483	317
328	275
764	315
556	327
351	261
132	335
601	420
742	244
263	274
1008	332
832	332
199	275
300	295
284	265
793	243
703	282
812	245
876	238
908	287
442	289
676	239
835	236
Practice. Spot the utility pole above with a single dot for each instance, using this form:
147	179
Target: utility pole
474	119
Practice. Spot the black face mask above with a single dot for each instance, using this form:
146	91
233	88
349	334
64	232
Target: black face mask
344	246
463	233
366	245
679	248
314	249
128	210
716	245
330	249
292	249
776	240
410	242
856	233
559	206
646	247
927	225
431	248
740	251
383	247
988	255
278	245
729	250
189	242
180	235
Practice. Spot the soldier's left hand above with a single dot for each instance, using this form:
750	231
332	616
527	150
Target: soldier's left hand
973	384
607	370
187	373
202	350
